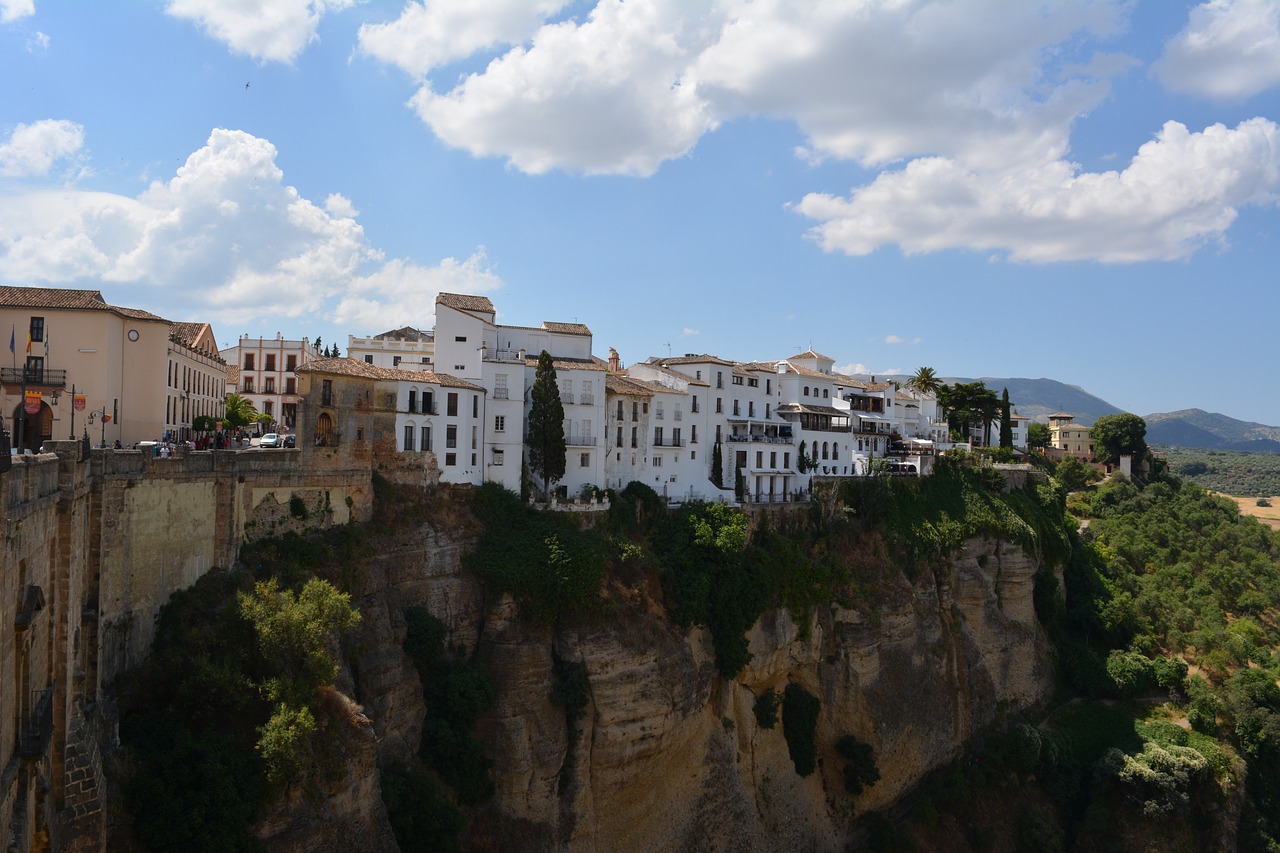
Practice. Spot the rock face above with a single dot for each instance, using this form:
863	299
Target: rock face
668	755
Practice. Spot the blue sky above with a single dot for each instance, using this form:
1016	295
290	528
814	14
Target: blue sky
1080	190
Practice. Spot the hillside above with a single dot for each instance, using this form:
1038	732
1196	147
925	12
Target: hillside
1211	431
1038	398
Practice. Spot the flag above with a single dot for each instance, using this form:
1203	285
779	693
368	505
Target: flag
28	343
13	338
46	343
32	403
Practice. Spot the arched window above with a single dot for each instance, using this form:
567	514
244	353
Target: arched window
806	390
826	393
835	450
825	450
324	430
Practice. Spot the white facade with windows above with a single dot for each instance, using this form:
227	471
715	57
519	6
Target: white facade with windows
405	348
266	374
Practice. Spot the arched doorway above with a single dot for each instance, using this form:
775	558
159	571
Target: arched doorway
31	430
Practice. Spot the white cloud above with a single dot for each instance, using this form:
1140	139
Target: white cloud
224	239
897	339
853	368
274	31
402	289
1181	191
428	36
12	10
1229	49
32	149
687	331
638	83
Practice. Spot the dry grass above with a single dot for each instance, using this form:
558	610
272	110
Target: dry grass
1268	515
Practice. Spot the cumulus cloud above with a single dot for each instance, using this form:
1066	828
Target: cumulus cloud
12	10
1179	192
898	339
635	84
32	149
224	239
1230	49
270	32
427	36
687	331
401	289
853	368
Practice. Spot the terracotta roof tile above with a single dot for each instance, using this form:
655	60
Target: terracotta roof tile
12	296
405	333
344	366
566	328
615	384
465	302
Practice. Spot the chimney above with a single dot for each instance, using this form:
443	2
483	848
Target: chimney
615	363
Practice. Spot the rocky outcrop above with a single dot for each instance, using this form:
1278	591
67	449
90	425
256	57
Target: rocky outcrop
668	755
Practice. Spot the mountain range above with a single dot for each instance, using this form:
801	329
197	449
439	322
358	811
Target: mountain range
1038	398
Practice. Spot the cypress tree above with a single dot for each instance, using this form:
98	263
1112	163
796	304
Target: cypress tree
546	425
1006	427
717	465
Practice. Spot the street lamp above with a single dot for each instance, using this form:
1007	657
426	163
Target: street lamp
101	414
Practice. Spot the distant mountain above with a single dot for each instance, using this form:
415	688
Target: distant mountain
1038	398
1210	431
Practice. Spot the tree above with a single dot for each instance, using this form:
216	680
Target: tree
717	465
1037	435
1074	475
925	381
1006	425
1117	435
546	425
240	411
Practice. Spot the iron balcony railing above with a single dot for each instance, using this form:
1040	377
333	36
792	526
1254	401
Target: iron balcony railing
45	376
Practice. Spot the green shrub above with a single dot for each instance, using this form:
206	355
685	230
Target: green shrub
423	820
799	727
766	709
861	771
297	507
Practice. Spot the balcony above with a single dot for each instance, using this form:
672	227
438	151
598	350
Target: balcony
45	377
668	442
500	394
657	414
762	438
566	397
572	440
587	399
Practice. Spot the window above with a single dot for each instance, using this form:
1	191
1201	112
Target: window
500	386
408	436
773	459
657	436
619	410
737	380
428	403
37	329
248	361
826	393
698	374
475	405
426	438
752	382
806	390
451	436
635	411
269	385
675	437
719	405
461	339
474	438
656	461
766	411
634	438
451	404
271	361
719	379
459	367
395	361
693	433
368	359
619	442
584	460
291	362
497	456
413	399
717	432
499	423
248	385
291	386
450	460
693	404
768	386
326	392
268	409
759	459
737	410
751	408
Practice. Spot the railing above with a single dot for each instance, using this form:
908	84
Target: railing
657	414
580	440
566	397
765	439
34	733
668	442
503	355
587	399
500	394
33	376
679	415
422	410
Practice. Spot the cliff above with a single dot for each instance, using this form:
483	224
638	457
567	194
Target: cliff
668	755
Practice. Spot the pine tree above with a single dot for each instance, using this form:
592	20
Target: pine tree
1006	425
717	465
546	425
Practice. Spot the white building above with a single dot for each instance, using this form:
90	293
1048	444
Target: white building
503	360
266	375
406	348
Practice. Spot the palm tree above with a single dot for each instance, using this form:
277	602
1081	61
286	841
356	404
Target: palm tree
925	381
240	410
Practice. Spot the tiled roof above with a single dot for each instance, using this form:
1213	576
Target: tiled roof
406	333
233	374
592	363
692	358
344	366
465	302
566	328
804	371
12	296
809	353
675	374
616	384
187	332
788	408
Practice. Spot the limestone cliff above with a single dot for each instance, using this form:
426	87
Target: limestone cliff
668	755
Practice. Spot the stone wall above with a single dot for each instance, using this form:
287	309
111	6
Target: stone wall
93	544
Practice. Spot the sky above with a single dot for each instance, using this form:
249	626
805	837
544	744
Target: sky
1080	190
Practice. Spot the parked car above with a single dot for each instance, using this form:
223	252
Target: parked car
271	439
290	441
